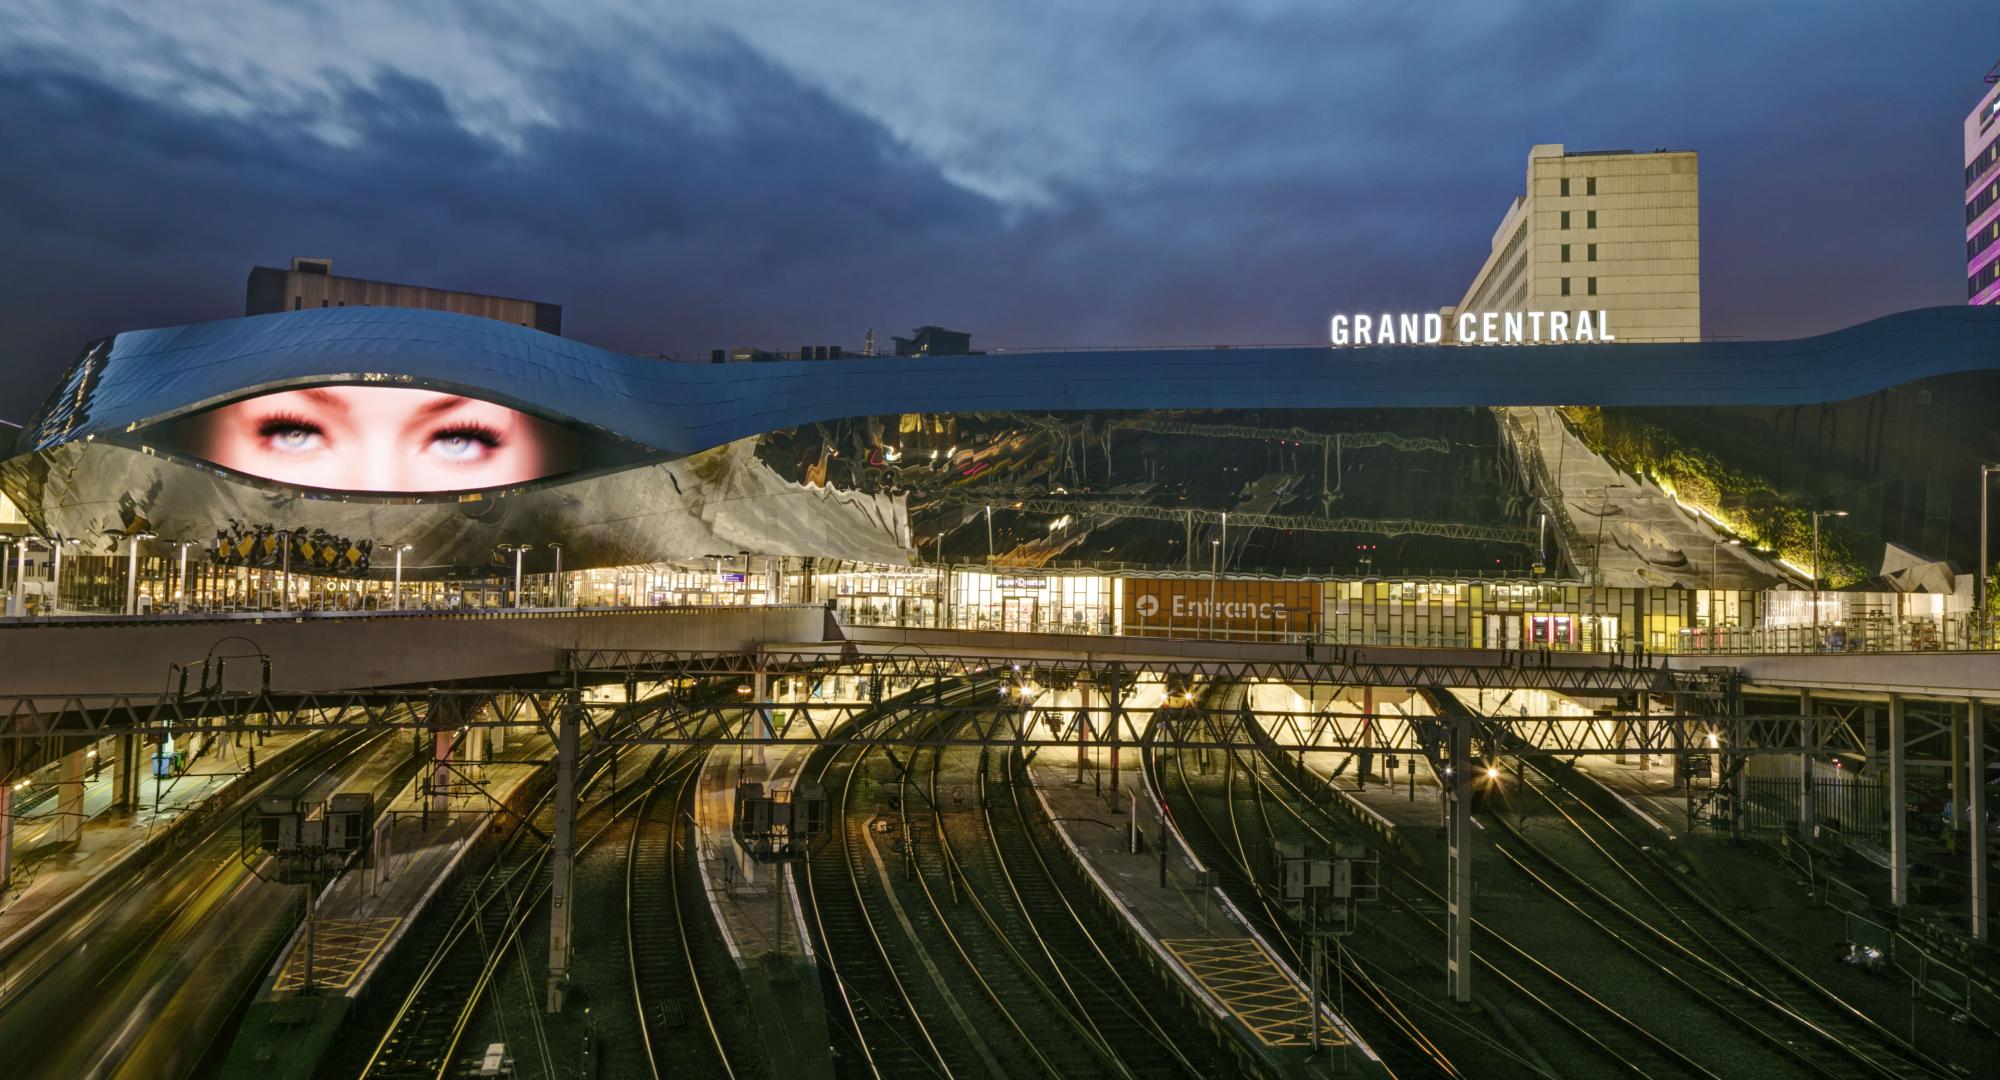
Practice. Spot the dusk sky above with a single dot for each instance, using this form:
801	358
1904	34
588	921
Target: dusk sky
1038	172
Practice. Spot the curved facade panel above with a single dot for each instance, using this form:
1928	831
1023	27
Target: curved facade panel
149	376
456	435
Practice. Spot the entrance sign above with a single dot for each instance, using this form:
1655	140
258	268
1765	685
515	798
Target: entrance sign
1472	328
1155	607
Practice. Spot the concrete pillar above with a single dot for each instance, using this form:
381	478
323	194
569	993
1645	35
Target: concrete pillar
1957	781
496	739
472	745
1459	902
124	778
1899	825
69	797
1810	730
6	833
561	847
1975	752
441	740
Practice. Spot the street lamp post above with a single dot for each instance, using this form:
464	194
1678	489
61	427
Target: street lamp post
397	603
183	580
1715	571
55	595
132	570
1818	516
518	550
989	533
557	548
1980	619
1214	574
18	603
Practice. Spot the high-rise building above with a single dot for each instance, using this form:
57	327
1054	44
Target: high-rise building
1982	195
1615	231
311	283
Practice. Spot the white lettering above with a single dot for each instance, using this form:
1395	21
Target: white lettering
1559	326
1584	331
1385	330
1361	325
1513	324
1406	327
1434	328
1340	329
1486	324
1535	317
1603	329
1465	329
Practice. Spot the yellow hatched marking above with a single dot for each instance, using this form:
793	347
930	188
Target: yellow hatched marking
341	948
1253	987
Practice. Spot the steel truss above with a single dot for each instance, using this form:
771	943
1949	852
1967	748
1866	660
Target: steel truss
1316	666
670	719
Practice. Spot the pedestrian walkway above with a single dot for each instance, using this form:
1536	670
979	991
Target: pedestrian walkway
48	875
1168	899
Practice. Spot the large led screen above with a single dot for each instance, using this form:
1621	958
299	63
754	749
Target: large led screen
378	439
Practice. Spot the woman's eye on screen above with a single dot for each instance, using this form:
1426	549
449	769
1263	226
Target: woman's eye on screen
290	435
464	444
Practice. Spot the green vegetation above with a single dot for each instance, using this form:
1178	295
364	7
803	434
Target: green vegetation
1750	504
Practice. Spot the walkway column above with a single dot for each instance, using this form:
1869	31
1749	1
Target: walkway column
1899	826
6	834
441	739
1975	751
1957	815
69	797
1809	729
496	739
561	847
1459	910
123	780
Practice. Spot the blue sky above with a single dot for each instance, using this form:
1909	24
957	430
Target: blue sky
690	175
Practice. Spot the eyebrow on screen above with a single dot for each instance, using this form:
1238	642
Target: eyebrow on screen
442	405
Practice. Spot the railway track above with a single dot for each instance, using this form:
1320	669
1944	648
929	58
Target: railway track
1619	1040
423	1037
889	1036
1676	926
996	945
677	1023
1109	982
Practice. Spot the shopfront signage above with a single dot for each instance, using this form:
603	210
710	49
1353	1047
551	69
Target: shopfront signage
1473	328
1258	607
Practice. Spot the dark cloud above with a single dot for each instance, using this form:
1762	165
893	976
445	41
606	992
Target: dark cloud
1363	163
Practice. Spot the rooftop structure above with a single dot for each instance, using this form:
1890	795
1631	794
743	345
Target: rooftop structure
311	283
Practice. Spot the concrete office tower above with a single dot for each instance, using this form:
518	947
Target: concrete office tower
1982	196
1613	231
311	283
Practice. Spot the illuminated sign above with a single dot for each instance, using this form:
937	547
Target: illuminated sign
1473	328
1164	605
377	439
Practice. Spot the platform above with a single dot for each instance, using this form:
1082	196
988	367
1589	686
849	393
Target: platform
1191	926
50	877
756	906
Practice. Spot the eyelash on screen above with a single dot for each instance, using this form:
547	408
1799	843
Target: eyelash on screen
283	422
478	433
